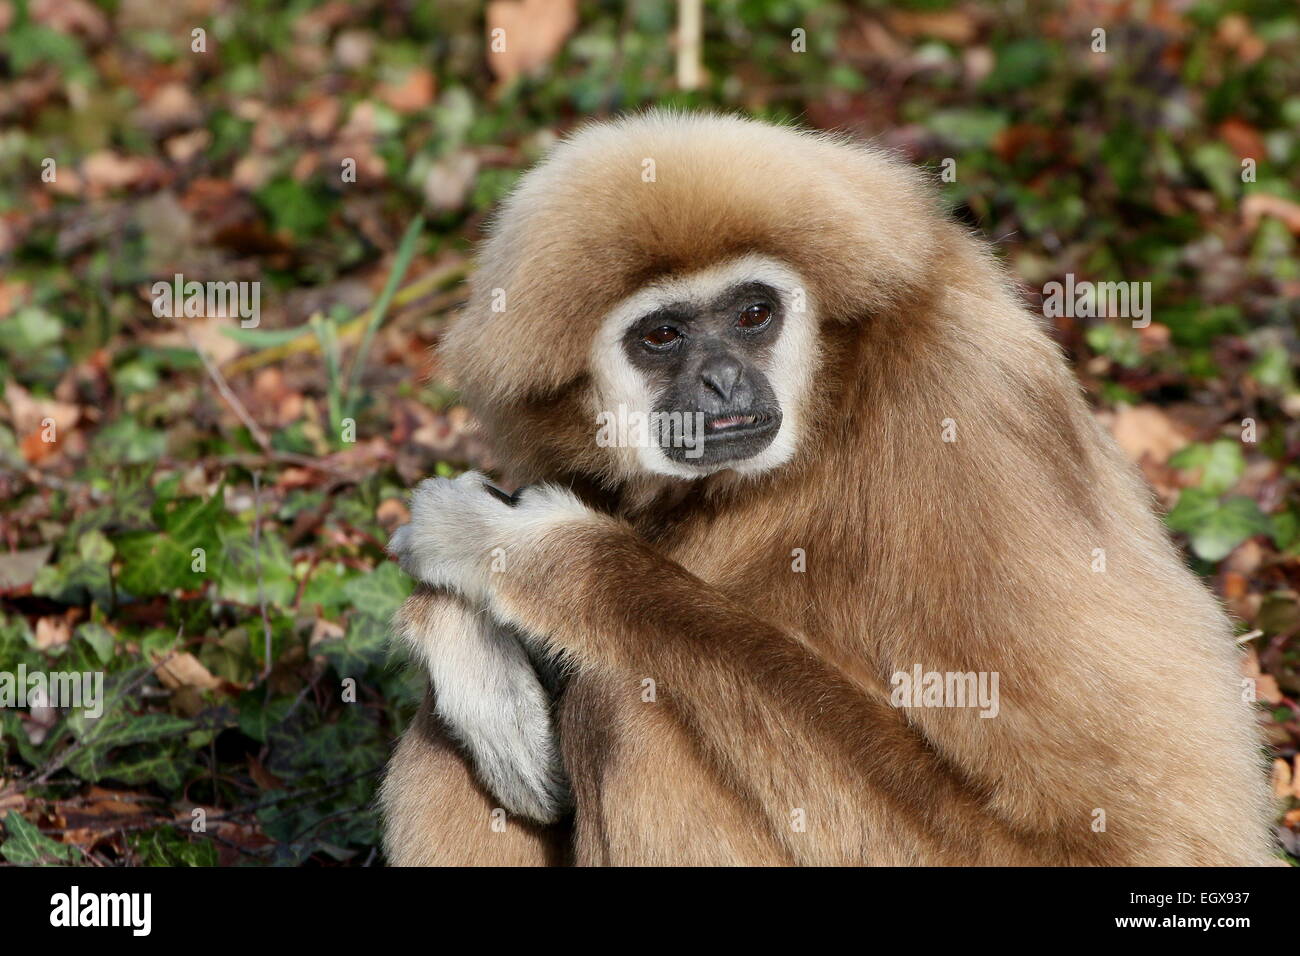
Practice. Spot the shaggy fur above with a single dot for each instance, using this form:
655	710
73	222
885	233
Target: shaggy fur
771	738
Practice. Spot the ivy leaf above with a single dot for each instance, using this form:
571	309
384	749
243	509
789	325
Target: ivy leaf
153	563
364	646
81	576
99	638
1221	464
166	847
380	593
28	846
1215	527
237	574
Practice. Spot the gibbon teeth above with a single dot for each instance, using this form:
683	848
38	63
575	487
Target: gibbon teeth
731	422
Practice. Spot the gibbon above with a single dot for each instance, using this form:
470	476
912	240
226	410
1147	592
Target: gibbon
753	630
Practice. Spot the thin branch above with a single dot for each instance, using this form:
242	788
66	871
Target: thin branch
257	563
231	398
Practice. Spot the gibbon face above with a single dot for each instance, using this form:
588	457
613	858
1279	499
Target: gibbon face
718	360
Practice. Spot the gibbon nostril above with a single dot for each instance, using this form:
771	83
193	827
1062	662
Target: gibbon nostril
721	376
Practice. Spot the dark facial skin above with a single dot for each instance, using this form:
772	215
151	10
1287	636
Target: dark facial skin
712	359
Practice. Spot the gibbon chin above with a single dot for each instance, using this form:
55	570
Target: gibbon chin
804	569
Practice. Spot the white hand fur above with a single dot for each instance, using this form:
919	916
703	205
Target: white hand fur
460	534
485	687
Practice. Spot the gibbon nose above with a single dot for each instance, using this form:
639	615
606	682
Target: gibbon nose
721	375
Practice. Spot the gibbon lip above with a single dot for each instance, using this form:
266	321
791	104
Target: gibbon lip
735	422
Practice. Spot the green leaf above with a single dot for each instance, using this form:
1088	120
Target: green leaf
405	252
294	207
264	338
380	593
237	573
1221	464
257	718
158	562
166	846
1020	64
26	845
365	645
1215	527
126	441
124	729
967	128
99	639
161	768
1285	529
29	330
154	564
1273	369
81	576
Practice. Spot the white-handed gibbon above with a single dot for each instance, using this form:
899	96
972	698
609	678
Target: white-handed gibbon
866	464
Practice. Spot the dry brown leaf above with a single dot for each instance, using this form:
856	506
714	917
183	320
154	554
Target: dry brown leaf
449	181
108	170
1242	138
414	92
1258	205
18	568
391	513
324	630
52	632
171	108
954	26
263	777
185	670
1281	778
71	16
1145	430
533	32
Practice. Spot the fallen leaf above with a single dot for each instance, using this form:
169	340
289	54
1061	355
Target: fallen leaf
1281	778
391	513
414	92
108	170
532	32
263	777
954	26
449	181
52	632
185	670
170	109
1258	205
1145	430
18	568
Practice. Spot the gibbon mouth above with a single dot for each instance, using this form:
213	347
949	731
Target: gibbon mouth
736	424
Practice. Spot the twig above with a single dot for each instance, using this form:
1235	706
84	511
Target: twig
257	563
231	398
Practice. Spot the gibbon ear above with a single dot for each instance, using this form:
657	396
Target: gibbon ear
620	204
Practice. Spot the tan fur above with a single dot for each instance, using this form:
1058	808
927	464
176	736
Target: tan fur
1119	690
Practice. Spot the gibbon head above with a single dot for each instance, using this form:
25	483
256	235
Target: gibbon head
654	297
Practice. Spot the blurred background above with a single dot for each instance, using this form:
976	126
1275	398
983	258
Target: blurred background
196	506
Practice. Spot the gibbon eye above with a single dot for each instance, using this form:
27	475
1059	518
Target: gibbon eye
661	337
754	317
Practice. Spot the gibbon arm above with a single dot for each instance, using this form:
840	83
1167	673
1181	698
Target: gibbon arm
785	727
